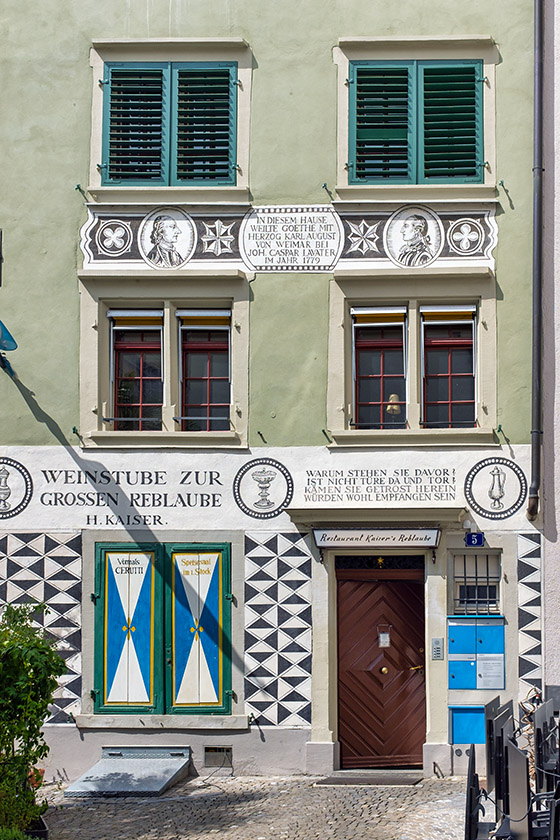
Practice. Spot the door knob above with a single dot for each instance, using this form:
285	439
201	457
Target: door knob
384	670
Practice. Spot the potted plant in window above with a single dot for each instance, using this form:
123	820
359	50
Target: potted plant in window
29	667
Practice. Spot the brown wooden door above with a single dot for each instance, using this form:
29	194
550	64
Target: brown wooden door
381	700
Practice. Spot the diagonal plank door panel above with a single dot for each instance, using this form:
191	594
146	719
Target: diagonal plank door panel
382	717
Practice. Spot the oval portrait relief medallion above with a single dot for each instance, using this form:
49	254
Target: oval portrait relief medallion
167	238
16	488
413	237
263	488
496	488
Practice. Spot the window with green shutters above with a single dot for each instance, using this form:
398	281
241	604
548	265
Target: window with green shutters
415	122
162	628
169	124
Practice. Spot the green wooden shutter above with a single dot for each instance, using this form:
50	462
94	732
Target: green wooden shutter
128	628
198	629
382	110
450	129
204	130
136	121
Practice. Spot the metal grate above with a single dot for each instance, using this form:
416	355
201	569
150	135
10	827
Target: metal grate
379	561
218	756
477	584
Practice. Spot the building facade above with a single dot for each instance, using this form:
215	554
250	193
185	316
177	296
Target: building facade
265	453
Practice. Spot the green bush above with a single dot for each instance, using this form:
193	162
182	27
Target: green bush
29	667
12	834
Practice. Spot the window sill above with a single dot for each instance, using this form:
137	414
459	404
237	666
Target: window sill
234	197
160	722
352	196
164	440
413	437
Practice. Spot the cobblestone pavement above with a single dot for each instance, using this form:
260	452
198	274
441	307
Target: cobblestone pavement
263	808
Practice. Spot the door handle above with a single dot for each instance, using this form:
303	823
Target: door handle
416	668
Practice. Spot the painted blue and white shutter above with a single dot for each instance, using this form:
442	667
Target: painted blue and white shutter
129	628
197	629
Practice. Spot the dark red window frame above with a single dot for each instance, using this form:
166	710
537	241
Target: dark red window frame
139	414
457	379
208	345
385	339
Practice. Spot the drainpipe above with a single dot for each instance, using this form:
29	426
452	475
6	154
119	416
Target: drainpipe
536	413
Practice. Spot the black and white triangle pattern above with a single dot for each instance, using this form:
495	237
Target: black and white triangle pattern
278	629
48	567
529	583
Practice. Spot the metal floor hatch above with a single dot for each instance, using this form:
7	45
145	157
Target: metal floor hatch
133	771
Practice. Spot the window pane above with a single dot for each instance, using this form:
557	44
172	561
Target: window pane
392	420
369	390
393	387
219	391
152	391
462	388
197	391
393	361
128	364
369	362
368	417
218	336
129	414
128	336
219	364
460	331
437	360
192	424
462	415
130	411
152	364
151	418
219	419
437	389
369	333
437	416
197	364
128	391
462	360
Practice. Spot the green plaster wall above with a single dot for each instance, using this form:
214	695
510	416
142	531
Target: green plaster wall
45	115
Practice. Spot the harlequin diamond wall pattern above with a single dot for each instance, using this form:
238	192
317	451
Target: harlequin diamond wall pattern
278	629
529	591
48	567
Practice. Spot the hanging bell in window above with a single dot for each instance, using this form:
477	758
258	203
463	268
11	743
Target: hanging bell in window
393	407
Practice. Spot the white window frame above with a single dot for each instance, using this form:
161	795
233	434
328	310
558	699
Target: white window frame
102	296
201	313
444	48
449	322
383	311
212	50
350	292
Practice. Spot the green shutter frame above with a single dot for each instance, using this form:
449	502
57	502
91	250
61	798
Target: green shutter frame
162	630
169	124
136	124
382	108
413	122
204	147
100	601
224	700
450	130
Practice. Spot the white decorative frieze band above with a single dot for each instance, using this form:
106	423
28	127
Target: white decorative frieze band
298	238
155	490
